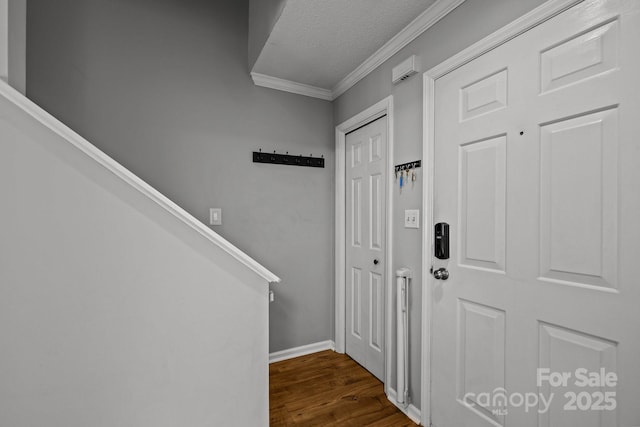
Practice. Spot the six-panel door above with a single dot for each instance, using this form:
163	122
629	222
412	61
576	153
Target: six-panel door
537	170
365	235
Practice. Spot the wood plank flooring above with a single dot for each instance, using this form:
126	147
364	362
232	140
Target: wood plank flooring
329	389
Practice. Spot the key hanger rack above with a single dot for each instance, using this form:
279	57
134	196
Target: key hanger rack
288	159
403	169
407	166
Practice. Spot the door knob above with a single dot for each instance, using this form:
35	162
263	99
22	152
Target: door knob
441	274
375	262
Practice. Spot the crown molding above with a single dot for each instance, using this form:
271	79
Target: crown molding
290	86
409	33
423	22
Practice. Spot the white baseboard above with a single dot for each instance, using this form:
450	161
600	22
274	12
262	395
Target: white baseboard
410	411
301	351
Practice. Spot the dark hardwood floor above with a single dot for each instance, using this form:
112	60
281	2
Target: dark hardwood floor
329	389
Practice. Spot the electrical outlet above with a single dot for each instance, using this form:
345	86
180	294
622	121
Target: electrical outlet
412	218
215	216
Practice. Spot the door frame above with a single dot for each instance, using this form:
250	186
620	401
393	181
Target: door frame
376	111
537	16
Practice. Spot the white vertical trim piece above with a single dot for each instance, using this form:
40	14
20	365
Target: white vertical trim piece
389	241
427	250
92	152
340	243
384	107
422	23
290	86
410	411
303	350
510	31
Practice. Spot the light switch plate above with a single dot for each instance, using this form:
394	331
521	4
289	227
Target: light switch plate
215	216
412	218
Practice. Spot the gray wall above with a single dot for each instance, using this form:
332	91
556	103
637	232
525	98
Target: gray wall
110	308
263	15
470	22
162	86
17	44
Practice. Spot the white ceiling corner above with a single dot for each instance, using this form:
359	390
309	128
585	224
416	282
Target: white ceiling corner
321	49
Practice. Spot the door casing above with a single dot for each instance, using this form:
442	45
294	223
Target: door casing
381	108
532	19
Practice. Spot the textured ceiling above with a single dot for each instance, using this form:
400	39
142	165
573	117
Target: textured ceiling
319	42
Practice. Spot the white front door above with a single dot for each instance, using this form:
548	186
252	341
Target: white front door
366	150
537	171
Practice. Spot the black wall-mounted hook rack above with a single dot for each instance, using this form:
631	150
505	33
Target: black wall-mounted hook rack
287	159
407	166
